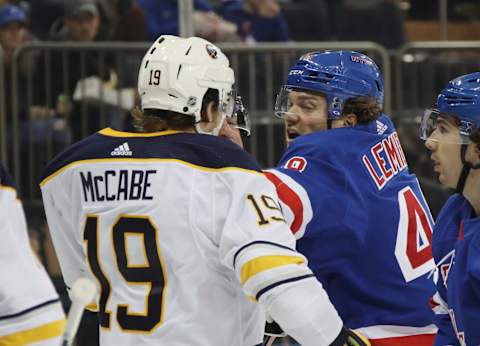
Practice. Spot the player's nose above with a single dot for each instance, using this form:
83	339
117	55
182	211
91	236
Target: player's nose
292	118
430	143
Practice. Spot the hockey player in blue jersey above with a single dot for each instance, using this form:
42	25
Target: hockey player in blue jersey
451	133
358	215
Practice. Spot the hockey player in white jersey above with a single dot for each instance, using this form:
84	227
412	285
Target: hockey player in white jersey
30	310
178	226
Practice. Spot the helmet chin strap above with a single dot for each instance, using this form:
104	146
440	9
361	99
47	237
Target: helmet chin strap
467	166
329	123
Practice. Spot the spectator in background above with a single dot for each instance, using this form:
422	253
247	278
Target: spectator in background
37	119
162	18
81	22
257	20
13	30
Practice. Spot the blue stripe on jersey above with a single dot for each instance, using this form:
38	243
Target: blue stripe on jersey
198	149
5	178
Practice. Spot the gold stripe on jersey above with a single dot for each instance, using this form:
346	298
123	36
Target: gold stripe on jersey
114	133
10	189
92	307
263	263
44	332
113	159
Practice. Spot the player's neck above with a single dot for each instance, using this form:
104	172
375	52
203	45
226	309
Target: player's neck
471	190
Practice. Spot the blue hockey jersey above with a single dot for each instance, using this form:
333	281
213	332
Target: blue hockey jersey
362	221
456	249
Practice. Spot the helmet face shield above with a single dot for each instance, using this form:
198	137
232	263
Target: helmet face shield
227	103
445	128
299	102
281	102
240	117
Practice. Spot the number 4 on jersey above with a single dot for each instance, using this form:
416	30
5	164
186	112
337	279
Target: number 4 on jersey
413	249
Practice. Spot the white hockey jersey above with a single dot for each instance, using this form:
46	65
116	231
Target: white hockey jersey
181	231
30	310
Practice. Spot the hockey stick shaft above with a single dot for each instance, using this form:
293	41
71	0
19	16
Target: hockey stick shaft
82	293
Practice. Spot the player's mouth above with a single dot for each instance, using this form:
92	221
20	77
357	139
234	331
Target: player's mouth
292	134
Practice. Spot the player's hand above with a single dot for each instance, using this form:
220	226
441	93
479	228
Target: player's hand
273	329
356	339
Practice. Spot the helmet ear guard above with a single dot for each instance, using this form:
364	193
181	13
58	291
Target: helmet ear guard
337	75
176	73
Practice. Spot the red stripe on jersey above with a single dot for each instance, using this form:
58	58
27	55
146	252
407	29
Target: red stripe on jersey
432	303
417	340
290	198
460	231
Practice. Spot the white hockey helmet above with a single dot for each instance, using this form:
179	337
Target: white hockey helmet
176	73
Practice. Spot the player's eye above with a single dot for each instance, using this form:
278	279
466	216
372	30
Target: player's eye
308	106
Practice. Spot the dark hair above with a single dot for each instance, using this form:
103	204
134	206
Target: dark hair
154	120
475	137
364	107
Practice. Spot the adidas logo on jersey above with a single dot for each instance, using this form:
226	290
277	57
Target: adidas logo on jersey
381	127
122	150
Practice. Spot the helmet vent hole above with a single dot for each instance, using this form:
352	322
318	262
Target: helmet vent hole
379	88
160	40
146	63
188	50
185	109
179	69
174	96
153	50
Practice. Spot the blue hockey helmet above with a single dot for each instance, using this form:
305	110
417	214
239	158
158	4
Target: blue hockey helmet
458	102
338	75
10	14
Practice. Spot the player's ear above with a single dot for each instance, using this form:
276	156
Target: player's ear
476	154
350	120
346	120
209	112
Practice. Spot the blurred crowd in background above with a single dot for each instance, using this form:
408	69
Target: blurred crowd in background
390	23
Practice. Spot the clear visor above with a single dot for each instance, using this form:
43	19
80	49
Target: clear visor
445	128
227	103
240	117
281	102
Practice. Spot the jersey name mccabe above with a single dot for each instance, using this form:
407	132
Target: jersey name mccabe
115	185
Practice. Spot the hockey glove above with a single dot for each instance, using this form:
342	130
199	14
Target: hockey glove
273	329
